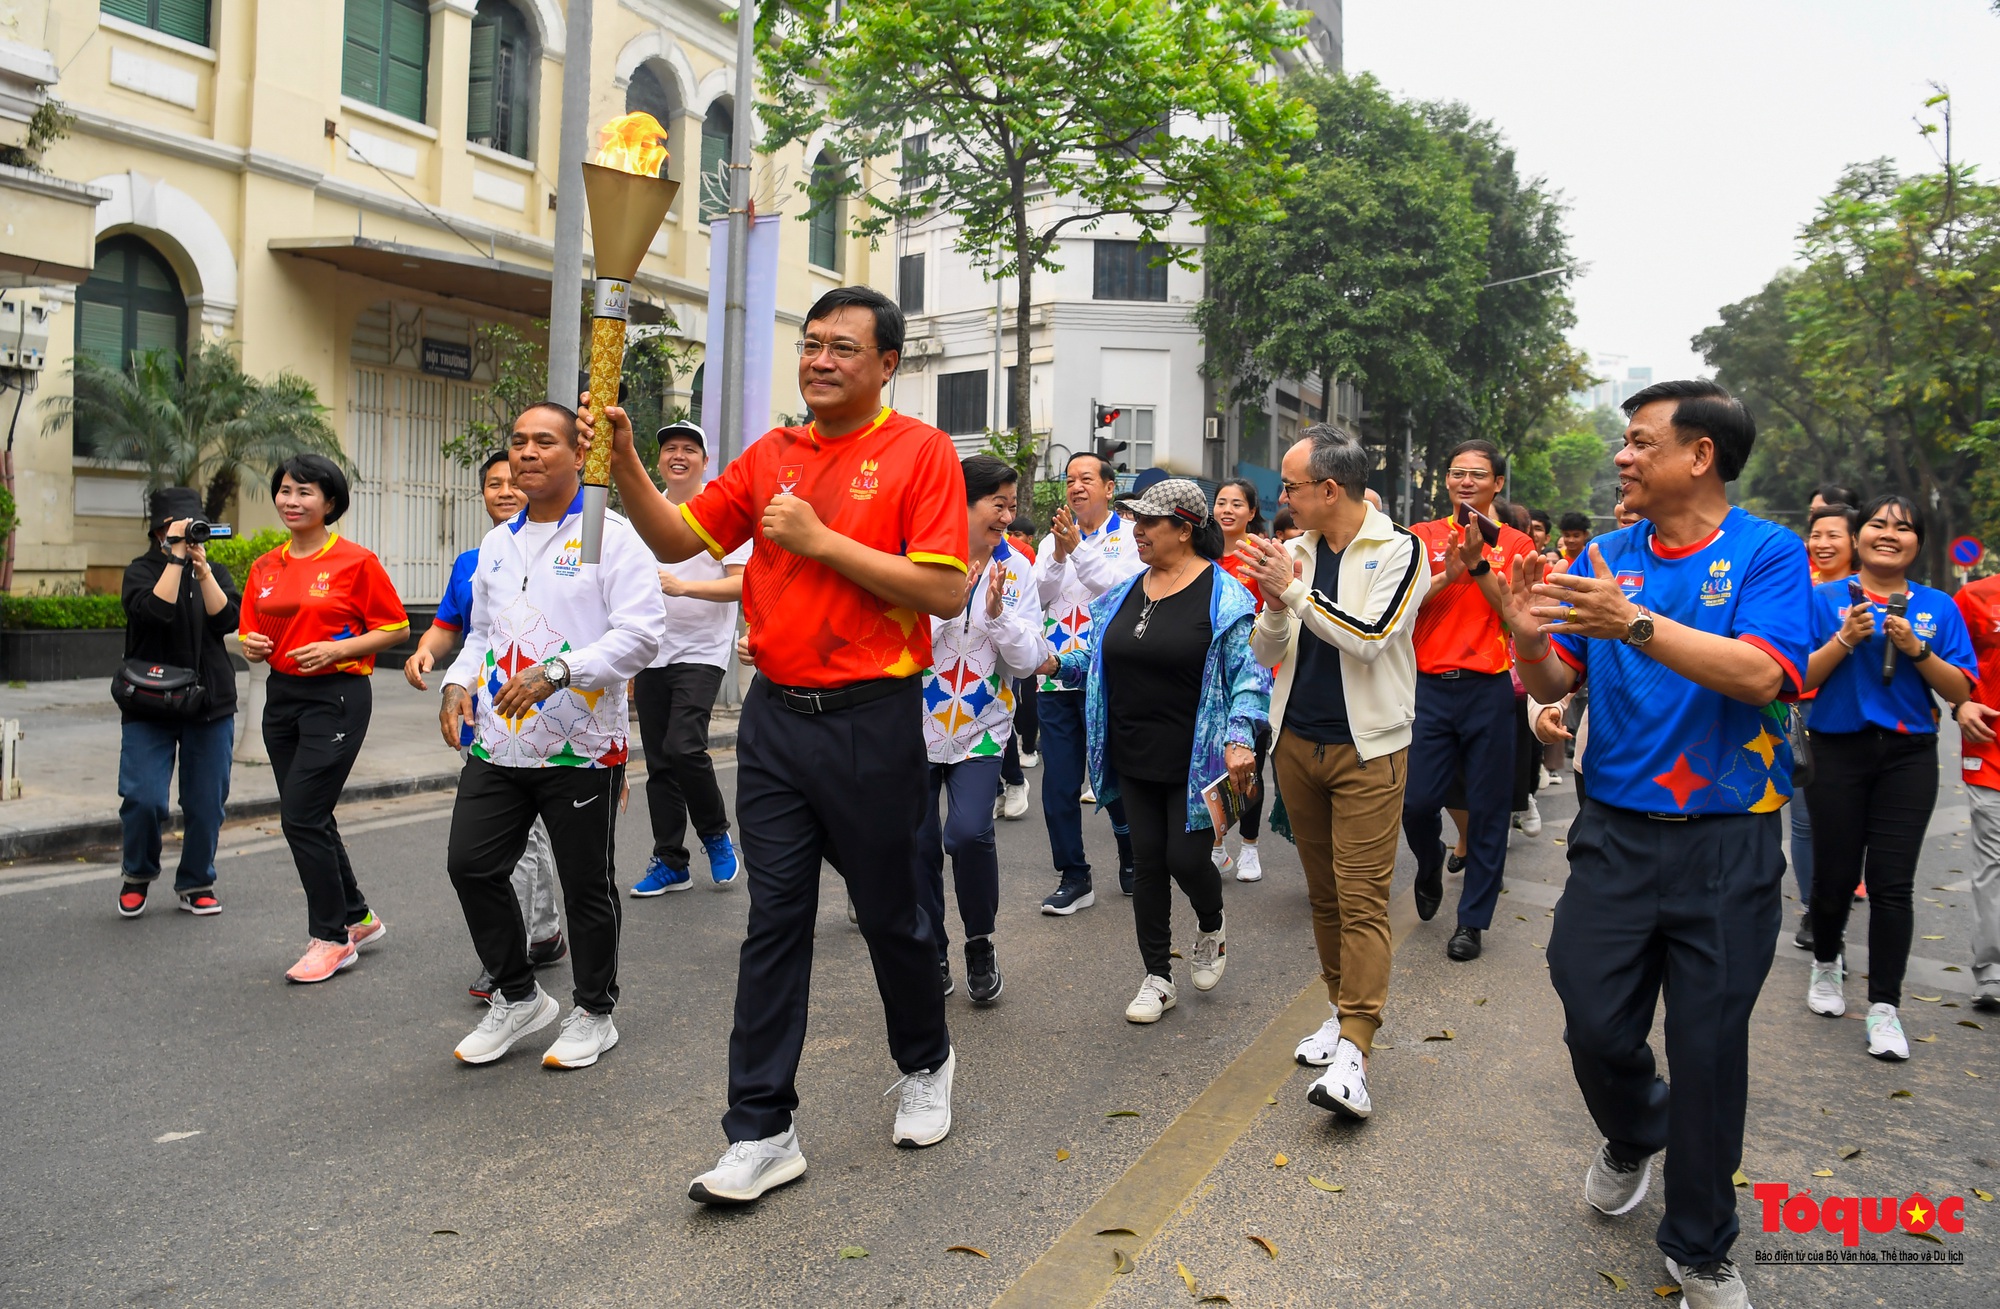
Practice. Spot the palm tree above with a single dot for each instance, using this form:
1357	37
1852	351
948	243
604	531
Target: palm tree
207	424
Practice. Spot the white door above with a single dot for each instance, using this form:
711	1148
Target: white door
416	509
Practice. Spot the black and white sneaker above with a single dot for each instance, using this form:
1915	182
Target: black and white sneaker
1069	897
1613	1187
1343	1088
982	972
1717	1285
944	972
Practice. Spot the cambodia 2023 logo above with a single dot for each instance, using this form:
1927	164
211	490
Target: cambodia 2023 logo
1849	1216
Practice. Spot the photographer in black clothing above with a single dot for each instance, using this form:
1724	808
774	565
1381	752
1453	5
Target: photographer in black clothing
178	609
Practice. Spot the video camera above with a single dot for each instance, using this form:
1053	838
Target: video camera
200	531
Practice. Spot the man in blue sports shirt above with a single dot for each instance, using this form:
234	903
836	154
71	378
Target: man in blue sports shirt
1688	626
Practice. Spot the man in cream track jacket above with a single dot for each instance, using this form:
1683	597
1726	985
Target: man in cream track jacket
1339	603
537	696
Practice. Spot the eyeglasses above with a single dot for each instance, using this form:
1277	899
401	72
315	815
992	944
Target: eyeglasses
1468	474
842	350
1292	488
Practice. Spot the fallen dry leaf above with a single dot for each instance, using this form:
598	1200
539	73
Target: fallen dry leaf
1214	1297
1925	1039
1480	1000
1121	1263
1953	968
1970	1073
1123	1113
1934	938
1967	1022
967	1249
1986	1196
852	1252
1927	999
1740	1178
443	1231
1264	1243
1539	946
1617	1283
1279	1160
1520	918
1822	1172
1119	1231
1445	1035
1849	1151
1270	1099
1560	841
1932	1237
1664	1291
1061	1155
1331	1188
1187	1277
1901	1095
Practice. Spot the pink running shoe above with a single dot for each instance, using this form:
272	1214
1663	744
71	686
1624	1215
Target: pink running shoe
369	931
322	960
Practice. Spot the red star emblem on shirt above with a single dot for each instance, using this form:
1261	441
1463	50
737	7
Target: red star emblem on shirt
1682	781
514	662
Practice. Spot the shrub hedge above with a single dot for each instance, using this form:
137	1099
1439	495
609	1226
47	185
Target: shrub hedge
60	612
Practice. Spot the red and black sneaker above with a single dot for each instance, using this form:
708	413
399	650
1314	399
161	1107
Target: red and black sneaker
132	899
482	987
201	901
543	953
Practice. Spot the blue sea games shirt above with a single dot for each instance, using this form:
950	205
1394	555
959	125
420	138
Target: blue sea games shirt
1853	697
1659	743
456	607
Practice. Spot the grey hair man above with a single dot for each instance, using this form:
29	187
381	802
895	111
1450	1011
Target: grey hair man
1339	603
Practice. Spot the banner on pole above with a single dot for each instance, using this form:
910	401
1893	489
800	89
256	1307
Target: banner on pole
760	326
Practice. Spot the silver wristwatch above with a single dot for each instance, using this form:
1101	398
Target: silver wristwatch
558	674
1640	629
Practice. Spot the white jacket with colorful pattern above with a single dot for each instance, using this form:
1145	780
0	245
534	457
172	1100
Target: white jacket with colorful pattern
969	687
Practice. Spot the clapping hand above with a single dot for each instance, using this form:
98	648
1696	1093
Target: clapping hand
1271	565
1585	605
996	590
1068	536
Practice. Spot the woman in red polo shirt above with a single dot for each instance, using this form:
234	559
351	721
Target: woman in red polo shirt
319	610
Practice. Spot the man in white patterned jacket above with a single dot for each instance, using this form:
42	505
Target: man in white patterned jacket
539	690
969	718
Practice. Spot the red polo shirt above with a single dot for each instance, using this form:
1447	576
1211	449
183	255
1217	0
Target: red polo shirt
1979	602
1456	628
340	592
894	486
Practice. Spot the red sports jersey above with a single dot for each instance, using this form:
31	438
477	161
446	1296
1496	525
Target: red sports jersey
893	486
1236	566
1456	628
1979	602
340	592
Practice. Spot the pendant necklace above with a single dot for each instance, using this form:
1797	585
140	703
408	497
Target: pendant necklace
1146	609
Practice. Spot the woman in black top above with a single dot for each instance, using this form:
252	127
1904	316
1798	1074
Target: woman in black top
178	609
1174	700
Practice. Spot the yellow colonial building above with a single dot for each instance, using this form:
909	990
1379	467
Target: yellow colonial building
356	190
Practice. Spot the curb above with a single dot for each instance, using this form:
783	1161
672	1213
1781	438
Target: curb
72	838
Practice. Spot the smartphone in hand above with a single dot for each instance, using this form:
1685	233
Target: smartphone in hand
1488	529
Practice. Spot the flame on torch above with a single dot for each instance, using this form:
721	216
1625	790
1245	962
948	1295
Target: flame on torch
632	143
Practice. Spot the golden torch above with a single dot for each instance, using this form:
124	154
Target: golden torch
627	200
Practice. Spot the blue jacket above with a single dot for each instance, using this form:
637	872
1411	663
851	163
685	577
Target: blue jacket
1235	690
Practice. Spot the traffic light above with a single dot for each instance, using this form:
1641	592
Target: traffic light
1106	417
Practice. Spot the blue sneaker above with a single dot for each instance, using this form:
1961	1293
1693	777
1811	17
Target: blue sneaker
1069	897
660	879
721	860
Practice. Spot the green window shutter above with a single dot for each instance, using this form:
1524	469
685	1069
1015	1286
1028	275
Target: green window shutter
714	154
361	53
518	77
132	11
186	19
155	331
100	332
408	53
479	91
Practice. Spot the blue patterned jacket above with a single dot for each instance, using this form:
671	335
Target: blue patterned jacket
1235	690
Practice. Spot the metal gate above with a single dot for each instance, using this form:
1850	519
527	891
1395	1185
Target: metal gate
416	509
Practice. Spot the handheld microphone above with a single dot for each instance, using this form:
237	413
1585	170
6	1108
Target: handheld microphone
1899	604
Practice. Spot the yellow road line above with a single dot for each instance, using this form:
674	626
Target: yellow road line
1077	1271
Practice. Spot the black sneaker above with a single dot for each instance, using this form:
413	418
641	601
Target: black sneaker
132	899
482	987
944	971
1069	897
1429	888
982	972
1803	938
1126	872
543	953
202	902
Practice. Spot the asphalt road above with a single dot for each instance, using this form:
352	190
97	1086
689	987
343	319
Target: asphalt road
183	1128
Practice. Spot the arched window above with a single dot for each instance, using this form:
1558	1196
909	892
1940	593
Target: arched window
694	394
131	303
385	54
651	91
499	91
716	128
823	221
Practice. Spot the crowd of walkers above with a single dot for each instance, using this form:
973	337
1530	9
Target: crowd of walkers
1162	655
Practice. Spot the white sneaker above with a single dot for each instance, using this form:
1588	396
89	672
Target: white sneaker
1205	959
1552	779
1029	759
1218	854
1885	1033
585	1036
1014	800
1249	868
1343	1087
750	1168
1087	795
1156	996
1531	819
505	1024
923	1115
1823	993
1316	1051
1711	1286
1544	778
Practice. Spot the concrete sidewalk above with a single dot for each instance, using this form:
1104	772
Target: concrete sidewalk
69	761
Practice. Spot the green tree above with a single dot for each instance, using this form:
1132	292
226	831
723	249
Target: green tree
1574	459
205	424
1371	276
1029	121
